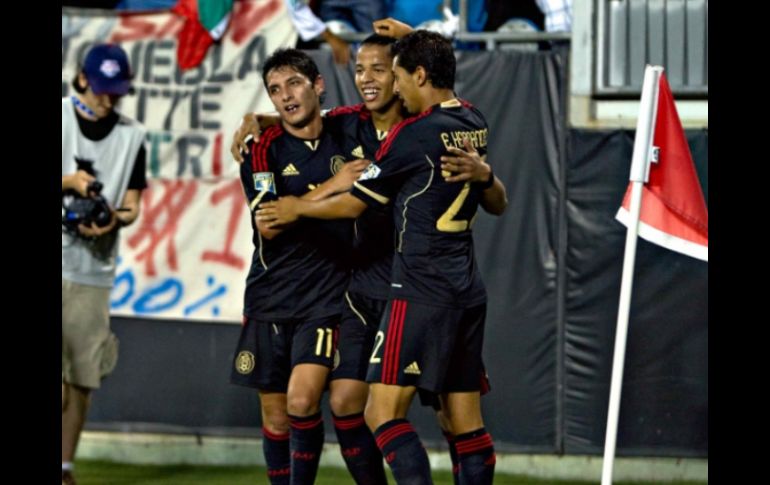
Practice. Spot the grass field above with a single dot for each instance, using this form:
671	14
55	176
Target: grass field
106	473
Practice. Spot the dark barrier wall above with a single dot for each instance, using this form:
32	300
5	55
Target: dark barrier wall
664	405
552	265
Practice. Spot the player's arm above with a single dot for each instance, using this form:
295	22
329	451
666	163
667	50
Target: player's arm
468	165
288	209
252	125
342	181
391	27
255	195
324	202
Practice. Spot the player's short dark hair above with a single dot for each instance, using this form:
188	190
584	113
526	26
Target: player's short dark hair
377	39
294	58
430	50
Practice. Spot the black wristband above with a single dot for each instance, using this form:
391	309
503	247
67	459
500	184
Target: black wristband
489	183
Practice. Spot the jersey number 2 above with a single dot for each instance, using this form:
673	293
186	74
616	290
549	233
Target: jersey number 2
447	222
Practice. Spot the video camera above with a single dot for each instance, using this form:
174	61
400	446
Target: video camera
77	209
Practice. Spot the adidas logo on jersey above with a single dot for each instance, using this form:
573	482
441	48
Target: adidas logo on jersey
290	170
413	368
358	152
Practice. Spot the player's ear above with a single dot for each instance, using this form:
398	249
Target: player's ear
420	76
319	85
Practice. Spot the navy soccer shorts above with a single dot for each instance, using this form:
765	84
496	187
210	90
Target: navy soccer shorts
361	317
434	348
267	352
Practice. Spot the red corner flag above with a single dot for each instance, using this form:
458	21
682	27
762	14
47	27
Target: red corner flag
673	213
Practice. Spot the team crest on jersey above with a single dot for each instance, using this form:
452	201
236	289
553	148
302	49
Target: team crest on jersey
264	182
337	161
358	152
244	363
371	172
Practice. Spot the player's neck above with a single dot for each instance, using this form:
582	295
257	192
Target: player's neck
432	96
384	119
310	131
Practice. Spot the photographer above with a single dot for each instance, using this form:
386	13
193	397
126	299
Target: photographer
98	145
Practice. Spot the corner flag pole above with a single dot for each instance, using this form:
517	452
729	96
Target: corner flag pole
640	163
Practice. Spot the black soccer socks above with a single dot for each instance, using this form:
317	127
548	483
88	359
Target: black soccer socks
359	450
477	457
276	450
307	440
404	452
450	439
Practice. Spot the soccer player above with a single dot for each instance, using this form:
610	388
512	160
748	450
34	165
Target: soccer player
364	126
294	290
431	336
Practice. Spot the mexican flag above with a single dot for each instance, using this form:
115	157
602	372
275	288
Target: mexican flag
205	22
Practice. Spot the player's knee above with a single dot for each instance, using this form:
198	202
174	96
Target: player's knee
279	425
302	405
275	422
345	404
375	415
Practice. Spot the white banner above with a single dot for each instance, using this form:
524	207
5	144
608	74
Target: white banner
188	254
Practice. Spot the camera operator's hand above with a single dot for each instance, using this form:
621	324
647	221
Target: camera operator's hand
95	231
78	182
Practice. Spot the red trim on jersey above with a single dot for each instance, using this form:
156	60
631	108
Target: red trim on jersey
361	109
390	434
394	131
465	103
259	150
346	110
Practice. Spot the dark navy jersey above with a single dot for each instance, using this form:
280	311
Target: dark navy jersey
434	261
374	233
301	273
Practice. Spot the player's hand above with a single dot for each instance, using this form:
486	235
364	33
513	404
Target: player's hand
95	231
391	27
249	126
278	212
349	173
465	165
